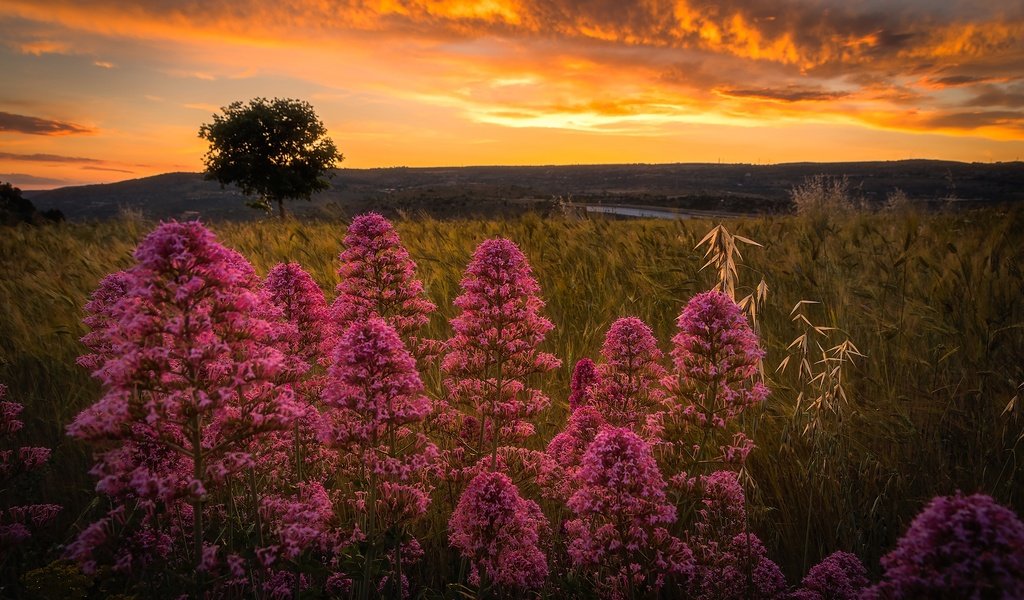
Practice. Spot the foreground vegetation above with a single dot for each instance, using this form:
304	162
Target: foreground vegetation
849	448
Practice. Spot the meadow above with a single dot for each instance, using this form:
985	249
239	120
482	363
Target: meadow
894	349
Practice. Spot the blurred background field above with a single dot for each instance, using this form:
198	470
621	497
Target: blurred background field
934	302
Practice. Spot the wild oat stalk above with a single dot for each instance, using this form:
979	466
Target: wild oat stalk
822	386
723	254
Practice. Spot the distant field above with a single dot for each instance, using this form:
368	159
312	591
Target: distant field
934	303
490	192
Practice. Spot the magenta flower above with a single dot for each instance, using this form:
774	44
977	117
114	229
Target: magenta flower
584	377
495	349
18	522
730	562
297	455
628	387
101	314
374	409
301	522
288	457
619	537
565	452
499	533
716	357
373	383
840	576
957	547
379	278
301	302
191	375
721	513
737	570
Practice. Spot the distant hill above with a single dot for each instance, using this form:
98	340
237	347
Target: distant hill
496	191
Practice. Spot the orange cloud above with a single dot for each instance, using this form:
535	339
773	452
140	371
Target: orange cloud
41	47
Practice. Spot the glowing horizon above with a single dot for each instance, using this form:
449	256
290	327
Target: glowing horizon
110	90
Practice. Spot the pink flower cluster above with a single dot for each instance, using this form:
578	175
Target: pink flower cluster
17	522
188	355
100	318
627	387
619	536
732	563
379	278
721	512
565	451
499	532
374	406
840	576
737	569
495	348
958	547
584	376
301	303
296	454
301	522
373	394
716	357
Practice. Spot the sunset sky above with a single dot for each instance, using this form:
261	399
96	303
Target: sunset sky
106	90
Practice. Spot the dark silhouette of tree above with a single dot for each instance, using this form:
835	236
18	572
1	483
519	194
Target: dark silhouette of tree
271	149
15	208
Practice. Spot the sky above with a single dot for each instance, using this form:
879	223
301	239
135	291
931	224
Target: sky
106	90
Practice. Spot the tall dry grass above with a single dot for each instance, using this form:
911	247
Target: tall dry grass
933	303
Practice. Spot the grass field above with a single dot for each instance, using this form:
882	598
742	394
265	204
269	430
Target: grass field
934	303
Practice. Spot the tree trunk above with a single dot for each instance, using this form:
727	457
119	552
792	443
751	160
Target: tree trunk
280	209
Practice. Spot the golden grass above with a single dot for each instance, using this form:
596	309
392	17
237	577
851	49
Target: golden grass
933	302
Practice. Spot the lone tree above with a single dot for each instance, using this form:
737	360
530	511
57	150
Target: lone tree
272	149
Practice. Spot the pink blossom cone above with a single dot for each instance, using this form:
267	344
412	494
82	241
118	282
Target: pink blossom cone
499	532
495	349
619	537
628	382
378	277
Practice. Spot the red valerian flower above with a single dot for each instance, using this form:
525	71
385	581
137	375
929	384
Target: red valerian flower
495	348
839	576
18	522
628	380
378	277
301	302
565	452
619	536
499	532
584	377
374	406
958	547
716	357
187	352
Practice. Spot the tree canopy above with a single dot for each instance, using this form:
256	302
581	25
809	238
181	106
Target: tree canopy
271	149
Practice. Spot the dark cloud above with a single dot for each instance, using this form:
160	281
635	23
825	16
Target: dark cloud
22	179
958	80
36	126
111	169
975	120
787	94
55	158
690	74
993	95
